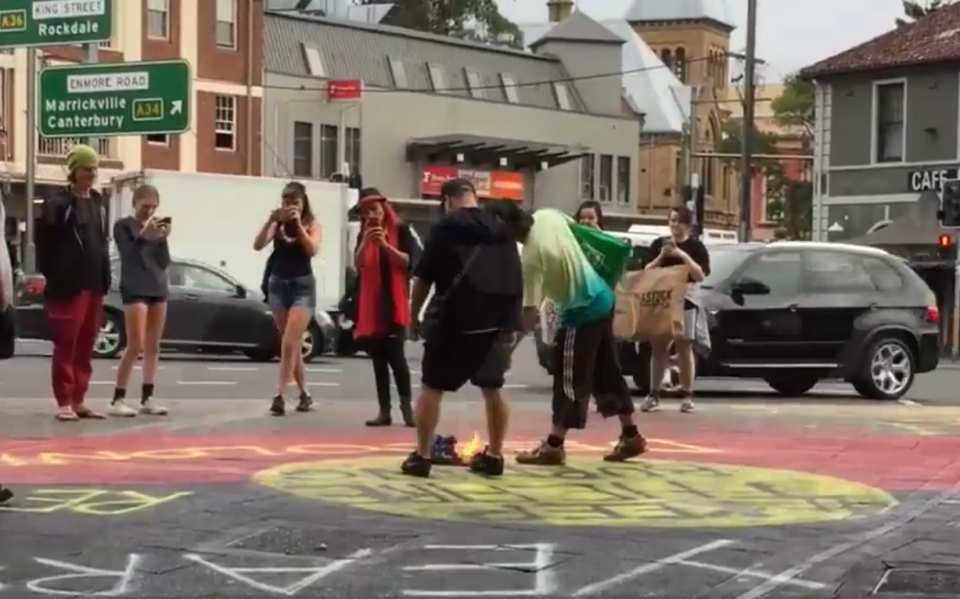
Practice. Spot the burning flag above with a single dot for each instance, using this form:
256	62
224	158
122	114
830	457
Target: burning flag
446	453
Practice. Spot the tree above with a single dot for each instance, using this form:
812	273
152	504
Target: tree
478	20
915	9
795	105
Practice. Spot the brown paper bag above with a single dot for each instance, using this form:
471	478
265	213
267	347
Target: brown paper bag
650	304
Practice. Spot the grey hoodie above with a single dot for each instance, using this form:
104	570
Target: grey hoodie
143	262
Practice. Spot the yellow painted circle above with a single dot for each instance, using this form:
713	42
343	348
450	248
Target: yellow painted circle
586	493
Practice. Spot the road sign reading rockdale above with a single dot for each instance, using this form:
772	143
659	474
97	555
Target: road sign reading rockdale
54	22
102	100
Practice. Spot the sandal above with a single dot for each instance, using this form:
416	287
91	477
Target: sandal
67	416
85	413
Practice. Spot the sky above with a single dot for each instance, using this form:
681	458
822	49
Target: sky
791	34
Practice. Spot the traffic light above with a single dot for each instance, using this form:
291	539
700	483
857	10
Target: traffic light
946	248
949	214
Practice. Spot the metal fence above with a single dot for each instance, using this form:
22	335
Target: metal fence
59	146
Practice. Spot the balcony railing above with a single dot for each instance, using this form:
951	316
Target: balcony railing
59	146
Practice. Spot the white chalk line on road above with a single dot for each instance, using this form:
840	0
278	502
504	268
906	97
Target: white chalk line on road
217	383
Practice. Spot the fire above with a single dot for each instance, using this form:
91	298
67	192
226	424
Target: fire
472	448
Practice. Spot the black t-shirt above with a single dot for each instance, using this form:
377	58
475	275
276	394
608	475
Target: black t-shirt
89	217
692	246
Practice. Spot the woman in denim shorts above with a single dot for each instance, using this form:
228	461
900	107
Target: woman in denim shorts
291	287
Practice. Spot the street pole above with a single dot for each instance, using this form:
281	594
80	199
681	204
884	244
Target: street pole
30	253
91	55
746	157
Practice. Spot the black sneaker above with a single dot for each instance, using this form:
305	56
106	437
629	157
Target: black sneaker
416	465
278	406
305	404
5	495
486	464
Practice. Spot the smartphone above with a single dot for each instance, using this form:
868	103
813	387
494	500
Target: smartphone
373	222
669	243
164	222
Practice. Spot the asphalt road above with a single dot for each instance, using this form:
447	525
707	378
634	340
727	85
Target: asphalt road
338	378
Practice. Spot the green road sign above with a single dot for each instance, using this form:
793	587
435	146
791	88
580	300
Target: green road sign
54	22
102	100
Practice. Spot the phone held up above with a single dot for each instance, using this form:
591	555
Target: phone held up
166	221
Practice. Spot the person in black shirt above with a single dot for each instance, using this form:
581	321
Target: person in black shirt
679	248
73	254
144	257
291	286
475	271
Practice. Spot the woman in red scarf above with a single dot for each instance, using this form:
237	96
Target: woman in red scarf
385	254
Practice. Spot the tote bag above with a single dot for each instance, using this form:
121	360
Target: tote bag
607	255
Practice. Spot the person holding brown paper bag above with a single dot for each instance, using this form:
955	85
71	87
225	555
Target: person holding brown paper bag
679	249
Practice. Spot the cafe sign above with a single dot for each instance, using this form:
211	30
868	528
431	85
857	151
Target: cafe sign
931	179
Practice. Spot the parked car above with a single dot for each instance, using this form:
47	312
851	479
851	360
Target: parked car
795	313
208	311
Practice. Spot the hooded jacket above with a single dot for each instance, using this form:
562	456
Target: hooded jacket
488	295
73	245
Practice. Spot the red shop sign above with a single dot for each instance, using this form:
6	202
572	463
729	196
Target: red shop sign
344	90
434	177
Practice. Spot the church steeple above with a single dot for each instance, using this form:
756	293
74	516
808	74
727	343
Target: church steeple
715	12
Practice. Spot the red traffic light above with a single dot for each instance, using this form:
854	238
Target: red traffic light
945	241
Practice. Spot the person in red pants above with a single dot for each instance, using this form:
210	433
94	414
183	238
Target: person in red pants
73	253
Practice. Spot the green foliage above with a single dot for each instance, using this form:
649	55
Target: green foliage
917	10
795	106
478	20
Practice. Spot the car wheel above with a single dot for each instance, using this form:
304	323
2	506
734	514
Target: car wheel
792	386
111	339
888	371
312	344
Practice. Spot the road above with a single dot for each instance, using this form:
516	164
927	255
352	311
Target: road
751	497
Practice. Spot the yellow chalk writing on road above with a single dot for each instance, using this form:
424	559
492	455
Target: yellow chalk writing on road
90	502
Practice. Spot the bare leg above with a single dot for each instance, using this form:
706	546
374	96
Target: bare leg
291	359
498	419
156	319
135	325
428	416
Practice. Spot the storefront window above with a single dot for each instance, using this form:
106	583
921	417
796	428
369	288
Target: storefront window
848	221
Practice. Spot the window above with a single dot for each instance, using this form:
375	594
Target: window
225	123
623	179
158	19
436	78
606	177
353	149
834	272
510	88
398	73
889	103
779	272
724	261
158	139
680	65
562	94
666	58
475	83
196	278
328	151
885	277
226	28
587	175
302	149
314	62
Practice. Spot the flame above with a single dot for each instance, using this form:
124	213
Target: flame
469	450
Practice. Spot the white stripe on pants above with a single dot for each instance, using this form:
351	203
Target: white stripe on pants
569	341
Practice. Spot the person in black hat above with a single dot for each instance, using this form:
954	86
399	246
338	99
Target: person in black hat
475	271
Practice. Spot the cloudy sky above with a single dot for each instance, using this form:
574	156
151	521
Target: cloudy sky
790	34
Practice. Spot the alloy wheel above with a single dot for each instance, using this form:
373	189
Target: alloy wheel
108	338
306	346
891	368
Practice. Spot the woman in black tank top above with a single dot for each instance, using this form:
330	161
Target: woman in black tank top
291	287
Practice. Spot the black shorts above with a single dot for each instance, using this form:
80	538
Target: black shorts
450	361
149	300
585	363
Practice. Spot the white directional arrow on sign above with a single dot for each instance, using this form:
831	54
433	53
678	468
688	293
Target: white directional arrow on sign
176	107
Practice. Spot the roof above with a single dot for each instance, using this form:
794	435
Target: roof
352	50
646	11
647	84
934	38
579	27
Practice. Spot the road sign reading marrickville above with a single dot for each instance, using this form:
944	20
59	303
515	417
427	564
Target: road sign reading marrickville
54	22
102	100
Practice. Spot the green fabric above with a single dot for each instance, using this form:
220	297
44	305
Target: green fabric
607	255
82	156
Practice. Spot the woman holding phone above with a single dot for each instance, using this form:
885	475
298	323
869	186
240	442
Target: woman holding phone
679	248
385	252
144	257
291	286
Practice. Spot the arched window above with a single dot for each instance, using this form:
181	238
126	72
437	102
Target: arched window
666	57
680	66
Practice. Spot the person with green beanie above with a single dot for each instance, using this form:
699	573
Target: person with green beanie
73	253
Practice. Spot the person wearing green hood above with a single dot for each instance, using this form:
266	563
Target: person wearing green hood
73	254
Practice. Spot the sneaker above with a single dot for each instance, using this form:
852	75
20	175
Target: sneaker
120	409
543	455
626	448
305	404
416	465
151	409
278	406
486	464
686	406
651	403
5	495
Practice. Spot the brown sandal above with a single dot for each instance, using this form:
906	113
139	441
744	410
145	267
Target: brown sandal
67	417
85	413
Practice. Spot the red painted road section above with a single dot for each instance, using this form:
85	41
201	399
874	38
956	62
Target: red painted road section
893	463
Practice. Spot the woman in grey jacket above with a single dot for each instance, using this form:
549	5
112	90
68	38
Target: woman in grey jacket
144	257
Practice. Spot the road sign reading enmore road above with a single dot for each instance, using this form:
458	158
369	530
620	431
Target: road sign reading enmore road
101	100
54	22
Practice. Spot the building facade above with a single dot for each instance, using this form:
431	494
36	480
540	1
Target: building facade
888	116
519	123
222	41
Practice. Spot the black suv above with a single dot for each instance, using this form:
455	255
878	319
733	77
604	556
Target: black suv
793	313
